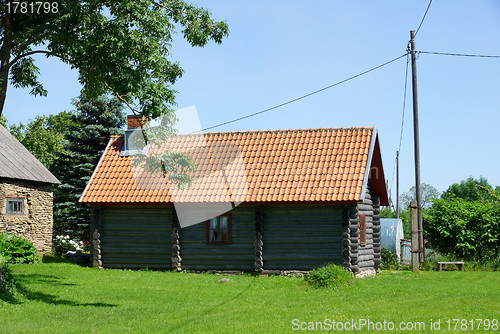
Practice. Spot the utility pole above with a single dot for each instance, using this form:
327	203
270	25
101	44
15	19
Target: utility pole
416	143
414	237
397	184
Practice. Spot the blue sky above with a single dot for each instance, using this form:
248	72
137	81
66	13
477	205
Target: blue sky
281	50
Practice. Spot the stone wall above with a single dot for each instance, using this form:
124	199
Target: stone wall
36	222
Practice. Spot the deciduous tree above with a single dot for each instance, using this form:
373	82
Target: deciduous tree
473	190
428	193
463	229
44	136
117	46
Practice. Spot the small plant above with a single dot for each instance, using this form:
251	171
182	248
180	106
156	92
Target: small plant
9	286
63	244
15	249
470	265
330	276
389	259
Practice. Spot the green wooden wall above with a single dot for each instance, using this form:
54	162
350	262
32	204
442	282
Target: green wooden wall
295	237
239	255
136	237
302	237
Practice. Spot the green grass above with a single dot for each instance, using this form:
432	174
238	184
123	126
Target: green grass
64	298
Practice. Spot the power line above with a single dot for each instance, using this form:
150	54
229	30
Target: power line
423	18
404	101
402	118
304	96
458	54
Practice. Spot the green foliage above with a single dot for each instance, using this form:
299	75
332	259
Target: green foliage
386	212
4	260
483	265
9	286
405	216
473	190
120	47
15	249
44	136
63	244
92	125
389	259
469	265
330	276
464	229
3	121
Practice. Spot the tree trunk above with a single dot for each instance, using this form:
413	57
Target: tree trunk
5	59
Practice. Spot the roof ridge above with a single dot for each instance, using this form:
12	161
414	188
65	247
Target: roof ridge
284	130
352	128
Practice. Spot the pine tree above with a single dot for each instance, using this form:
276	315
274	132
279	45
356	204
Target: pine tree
94	123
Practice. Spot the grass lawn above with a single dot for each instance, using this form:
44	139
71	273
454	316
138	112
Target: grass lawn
66	298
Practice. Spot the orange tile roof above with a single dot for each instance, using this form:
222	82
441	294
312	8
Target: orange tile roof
313	165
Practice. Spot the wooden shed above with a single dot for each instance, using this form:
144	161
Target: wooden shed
312	197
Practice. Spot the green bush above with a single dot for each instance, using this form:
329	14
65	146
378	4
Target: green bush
330	276
17	249
9	286
483	265
64	243
469	265
464	229
4	260
389	259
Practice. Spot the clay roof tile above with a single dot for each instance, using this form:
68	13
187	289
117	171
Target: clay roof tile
281	165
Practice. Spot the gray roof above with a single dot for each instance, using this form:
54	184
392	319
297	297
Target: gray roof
16	162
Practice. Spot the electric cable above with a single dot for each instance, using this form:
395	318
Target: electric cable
402	120
303	96
423	18
458	54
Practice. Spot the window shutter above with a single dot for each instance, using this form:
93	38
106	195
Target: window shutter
362	230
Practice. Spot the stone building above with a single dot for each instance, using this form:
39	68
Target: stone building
26	193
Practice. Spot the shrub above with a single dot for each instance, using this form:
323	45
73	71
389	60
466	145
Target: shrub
469	265
483	265
17	249
330	276
389	259
464	229
9	286
63	244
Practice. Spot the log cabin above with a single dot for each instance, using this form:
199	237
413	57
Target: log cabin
310	197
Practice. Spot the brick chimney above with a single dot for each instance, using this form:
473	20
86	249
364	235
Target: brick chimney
134	121
134	140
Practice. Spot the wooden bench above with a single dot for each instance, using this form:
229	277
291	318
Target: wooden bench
459	264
